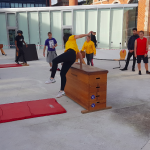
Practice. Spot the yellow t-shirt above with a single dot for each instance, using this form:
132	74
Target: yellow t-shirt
89	47
71	44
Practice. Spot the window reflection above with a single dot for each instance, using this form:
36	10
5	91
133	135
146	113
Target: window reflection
16	5
28	5
20	5
24	5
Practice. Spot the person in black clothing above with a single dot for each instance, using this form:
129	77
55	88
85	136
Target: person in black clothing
131	50
19	40
93	38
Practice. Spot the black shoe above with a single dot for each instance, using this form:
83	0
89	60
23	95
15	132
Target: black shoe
133	69
147	72
124	69
50	69
17	62
140	73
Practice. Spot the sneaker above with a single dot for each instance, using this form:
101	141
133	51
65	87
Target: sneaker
50	69
140	73
58	69
50	81
147	72
124	69
17	62
60	94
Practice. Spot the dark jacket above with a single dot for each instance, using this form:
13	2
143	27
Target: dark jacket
132	41
93	38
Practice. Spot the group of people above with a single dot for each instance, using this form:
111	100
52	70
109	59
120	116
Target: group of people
137	46
89	46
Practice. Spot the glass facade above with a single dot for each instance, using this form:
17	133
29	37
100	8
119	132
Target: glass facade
112	23
18	5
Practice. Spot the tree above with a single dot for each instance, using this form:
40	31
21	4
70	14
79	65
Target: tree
88	2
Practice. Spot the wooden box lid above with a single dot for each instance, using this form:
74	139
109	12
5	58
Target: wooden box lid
89	69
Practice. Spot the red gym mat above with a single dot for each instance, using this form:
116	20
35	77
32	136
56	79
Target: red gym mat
29	109
10	65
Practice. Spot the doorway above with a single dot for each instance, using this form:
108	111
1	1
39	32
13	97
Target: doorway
66	31
12	33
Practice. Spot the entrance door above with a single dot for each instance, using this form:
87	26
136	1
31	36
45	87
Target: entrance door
12	34
116	27
67	30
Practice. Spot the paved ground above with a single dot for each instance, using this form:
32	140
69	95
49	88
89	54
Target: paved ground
124	127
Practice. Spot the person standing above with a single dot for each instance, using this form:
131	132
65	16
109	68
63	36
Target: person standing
131	50
67	59
51	43
141	50
93	38
90	49
19	40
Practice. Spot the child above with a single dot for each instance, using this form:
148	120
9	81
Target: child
19	40
90	49
141	50
67	58
51	51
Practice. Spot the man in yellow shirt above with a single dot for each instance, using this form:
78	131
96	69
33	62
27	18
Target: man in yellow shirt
67	58
90	50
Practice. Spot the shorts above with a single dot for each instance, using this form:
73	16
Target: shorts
50	56
140	57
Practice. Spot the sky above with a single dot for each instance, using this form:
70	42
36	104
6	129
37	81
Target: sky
55	1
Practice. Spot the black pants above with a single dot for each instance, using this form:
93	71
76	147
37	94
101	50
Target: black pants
89	58
21	52
68	60
128	59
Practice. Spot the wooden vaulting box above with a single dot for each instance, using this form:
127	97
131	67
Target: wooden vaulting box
87	87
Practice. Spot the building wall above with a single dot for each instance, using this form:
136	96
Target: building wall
143	12
37	22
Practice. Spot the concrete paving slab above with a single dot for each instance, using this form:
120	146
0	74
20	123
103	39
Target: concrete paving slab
124	127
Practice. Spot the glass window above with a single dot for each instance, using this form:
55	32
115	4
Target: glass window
67	18
24	5
116	27
44	26
0	5
103	28
20	4
16	5
3	5
44	5
32	5
79	25
11	20
129	22
23	25
28	5
12	5
7	5
40	5
3	31
36	5
34	28
91	20
56	27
